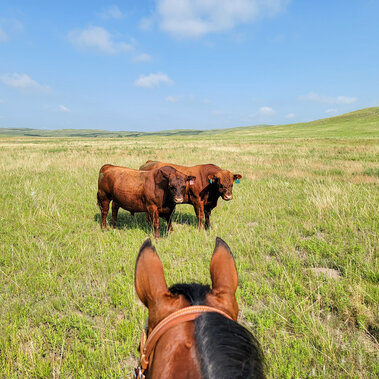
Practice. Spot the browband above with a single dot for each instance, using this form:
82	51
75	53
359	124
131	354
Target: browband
147	344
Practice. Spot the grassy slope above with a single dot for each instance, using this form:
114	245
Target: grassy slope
306	209
361	123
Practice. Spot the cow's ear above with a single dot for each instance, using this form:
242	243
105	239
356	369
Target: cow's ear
165	172
212	178
149	281
237	177
224	277
191	179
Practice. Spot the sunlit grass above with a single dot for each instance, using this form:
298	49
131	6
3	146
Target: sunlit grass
303	227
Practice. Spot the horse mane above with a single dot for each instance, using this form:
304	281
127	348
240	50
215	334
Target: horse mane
225	348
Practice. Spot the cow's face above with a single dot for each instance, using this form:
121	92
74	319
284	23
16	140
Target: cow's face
177	185
224	180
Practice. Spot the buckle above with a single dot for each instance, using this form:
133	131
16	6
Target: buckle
138	373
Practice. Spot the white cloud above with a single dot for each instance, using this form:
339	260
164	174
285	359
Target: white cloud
195	18
266	111
112	12
264	114
290	115
98	38
312	96
153	80
331	111
62	108
174	99
8	28
146	23
3	36
143	57
23	82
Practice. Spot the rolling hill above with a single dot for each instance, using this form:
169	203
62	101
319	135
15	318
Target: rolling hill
360	123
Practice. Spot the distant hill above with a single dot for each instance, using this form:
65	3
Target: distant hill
362	123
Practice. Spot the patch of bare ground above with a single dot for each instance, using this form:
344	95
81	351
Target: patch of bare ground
130	363
329	273
364	179
252	224
319	235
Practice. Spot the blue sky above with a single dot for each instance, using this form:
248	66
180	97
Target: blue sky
200	64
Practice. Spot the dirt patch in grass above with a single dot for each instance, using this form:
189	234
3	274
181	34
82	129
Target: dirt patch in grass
329	273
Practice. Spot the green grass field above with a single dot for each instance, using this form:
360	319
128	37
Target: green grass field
303	227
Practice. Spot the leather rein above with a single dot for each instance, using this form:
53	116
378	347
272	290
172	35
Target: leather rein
148	343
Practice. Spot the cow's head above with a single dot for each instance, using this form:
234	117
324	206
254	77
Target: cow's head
224	180
176	183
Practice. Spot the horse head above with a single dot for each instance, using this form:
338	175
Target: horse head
192	330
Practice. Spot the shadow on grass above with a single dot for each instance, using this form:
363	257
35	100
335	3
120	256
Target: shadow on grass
184	218
126	221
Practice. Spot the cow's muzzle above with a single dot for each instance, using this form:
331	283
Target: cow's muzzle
178	200
228	197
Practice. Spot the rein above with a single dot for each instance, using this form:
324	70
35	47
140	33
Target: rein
148	343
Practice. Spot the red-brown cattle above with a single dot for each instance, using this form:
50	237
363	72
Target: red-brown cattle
211	183
155	192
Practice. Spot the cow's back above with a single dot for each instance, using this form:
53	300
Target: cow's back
201	170
123	185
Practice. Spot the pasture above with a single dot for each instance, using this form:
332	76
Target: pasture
303	227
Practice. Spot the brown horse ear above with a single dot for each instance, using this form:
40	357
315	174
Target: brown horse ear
149	282
224	277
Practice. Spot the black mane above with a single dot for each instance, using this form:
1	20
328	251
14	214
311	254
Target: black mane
225	349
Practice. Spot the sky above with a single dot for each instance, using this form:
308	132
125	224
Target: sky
152	65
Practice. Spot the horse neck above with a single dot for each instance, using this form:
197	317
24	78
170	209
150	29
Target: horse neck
175	354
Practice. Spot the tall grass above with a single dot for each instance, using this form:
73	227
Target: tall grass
303	227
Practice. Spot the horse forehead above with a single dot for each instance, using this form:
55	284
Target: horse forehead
176	352
176	303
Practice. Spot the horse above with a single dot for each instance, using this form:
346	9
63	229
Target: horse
192	330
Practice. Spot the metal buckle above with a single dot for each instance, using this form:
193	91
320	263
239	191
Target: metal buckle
138	373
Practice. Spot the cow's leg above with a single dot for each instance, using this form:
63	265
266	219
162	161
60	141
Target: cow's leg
154	216
103	202
207	212
199	210
168	218
115	208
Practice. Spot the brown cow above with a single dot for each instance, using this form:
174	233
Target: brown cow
155	192
211	183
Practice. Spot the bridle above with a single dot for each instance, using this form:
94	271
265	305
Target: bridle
148	343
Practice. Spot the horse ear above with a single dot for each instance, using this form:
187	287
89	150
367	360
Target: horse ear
150	282
224	277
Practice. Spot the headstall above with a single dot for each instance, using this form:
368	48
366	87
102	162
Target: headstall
148	343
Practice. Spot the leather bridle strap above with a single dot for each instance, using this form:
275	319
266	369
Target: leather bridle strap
182	315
